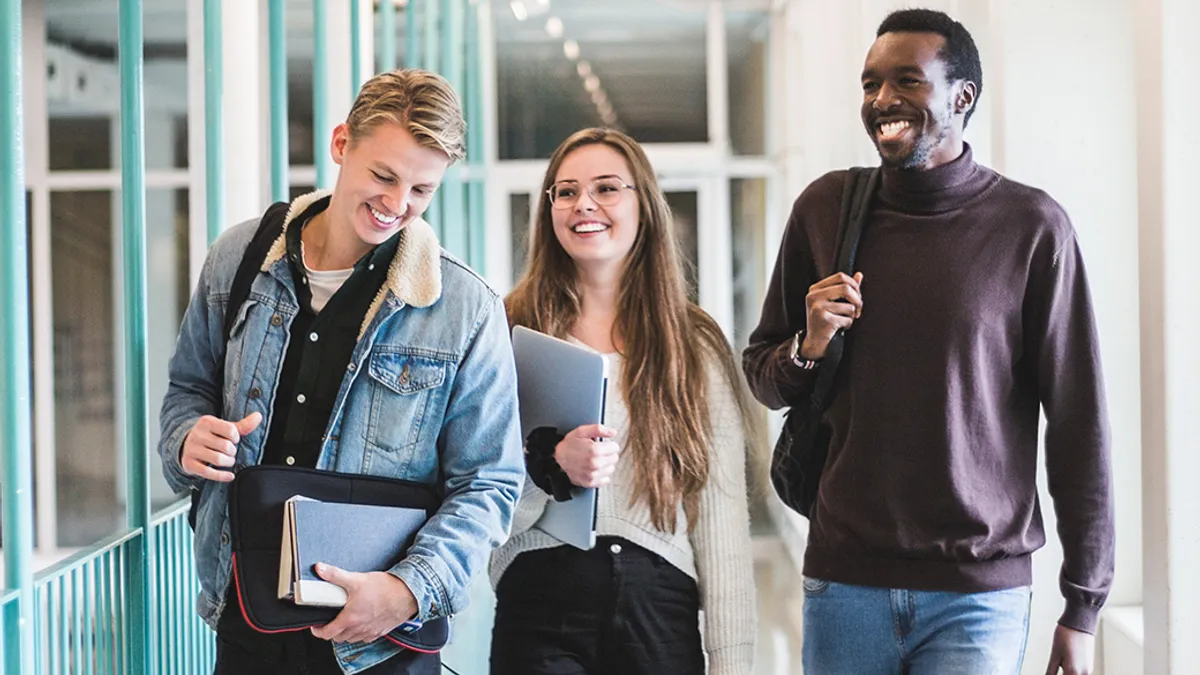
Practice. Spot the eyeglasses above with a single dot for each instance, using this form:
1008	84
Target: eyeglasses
603	191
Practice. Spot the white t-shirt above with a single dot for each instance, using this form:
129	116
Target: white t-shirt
323	284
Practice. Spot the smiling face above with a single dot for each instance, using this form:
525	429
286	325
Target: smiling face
387	180
911	111
595	235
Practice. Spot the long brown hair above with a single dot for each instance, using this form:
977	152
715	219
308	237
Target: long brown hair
667	339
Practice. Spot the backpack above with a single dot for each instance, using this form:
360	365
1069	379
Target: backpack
803	445
270	226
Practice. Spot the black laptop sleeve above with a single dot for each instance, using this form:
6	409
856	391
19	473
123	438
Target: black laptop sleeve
256	502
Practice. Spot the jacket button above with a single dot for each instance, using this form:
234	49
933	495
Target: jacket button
277	320
615	548
255	392
224	539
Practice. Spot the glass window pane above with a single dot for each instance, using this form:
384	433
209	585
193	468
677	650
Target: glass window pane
298	190
638	65
83	84
79	143
746	34
685	212
166	83
85	363
300	112
521	220
748	218
167	294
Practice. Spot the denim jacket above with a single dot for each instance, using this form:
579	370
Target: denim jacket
429	395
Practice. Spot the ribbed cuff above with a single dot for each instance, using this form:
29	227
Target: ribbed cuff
731	660
1080	616
798	383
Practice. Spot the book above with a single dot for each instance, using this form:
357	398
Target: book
352	537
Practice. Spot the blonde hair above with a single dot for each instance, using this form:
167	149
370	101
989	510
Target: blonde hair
422	102
669	342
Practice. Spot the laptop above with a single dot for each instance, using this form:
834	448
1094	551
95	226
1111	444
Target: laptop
561	385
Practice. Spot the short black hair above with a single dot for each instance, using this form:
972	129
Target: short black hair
960	53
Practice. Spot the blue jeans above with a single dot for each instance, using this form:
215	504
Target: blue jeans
857	630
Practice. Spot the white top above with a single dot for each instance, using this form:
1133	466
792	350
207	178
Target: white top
323	284
717	553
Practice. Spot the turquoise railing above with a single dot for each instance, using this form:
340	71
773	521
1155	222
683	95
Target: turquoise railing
85	613
214	125
127	604
185	643
16	504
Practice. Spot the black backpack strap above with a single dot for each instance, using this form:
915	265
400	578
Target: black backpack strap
269	229
270	226
856	204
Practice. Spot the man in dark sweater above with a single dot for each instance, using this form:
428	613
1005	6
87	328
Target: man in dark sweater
918	558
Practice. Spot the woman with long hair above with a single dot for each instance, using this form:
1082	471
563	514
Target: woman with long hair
672	519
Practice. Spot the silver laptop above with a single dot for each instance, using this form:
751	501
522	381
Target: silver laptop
561	385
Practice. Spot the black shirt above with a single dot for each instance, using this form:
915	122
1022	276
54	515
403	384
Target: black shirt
319	349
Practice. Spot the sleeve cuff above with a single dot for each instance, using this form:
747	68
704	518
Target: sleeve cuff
1080	616
173	472
432	601
731	660
542	466
797	382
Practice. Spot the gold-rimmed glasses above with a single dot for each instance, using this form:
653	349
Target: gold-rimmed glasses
605	191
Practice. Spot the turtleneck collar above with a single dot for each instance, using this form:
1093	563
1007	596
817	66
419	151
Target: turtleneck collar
944	188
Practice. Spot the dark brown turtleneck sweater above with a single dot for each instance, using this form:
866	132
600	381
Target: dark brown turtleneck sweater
976	312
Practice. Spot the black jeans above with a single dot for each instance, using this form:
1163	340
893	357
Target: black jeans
241	650
617	609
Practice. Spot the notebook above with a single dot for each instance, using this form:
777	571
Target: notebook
353	537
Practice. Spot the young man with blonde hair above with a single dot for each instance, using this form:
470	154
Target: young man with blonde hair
362	348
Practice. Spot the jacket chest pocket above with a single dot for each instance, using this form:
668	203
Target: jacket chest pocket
403	386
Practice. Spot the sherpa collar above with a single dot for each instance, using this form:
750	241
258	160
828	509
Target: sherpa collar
415	276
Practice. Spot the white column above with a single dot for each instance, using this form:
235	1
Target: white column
366	42
337	69
161	304
244	68
37	166
1168	141
714	249
499	231
717	77
197	208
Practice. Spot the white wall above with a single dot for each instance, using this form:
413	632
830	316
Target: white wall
1056	137
1168	139
1057	111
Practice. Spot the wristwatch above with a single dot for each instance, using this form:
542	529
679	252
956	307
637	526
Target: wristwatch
798	360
